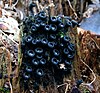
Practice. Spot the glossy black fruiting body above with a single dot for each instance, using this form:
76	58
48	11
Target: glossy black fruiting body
51	45
31	7
53	28
42	25
68	63
34	42
35	62
28	39
39	56
61	25
68	23
44	41
28	69
42	61
33	29
38	50
52	37
47	28
59	19
39	72
70	55
54	61
71	47
45	46
66	39
53	19
31	53
65	51
26	76
42	15
56	52
38	21
74	23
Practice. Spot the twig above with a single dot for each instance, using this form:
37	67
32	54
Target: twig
10	2
9	38
15	4
11	87
72	8
95	43
60	7
3	43
51	5
38	6
66	88
62	85
91	71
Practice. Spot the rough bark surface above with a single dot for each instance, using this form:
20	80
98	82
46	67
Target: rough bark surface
86	65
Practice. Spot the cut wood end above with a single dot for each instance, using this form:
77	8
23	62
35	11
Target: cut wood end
82	31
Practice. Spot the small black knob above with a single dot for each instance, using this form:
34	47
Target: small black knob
47	54
65	51
29	69
71	47
43	61
37	25
26	76
42	15
68	23
44	41
61	26
42	24
28	39
68	18
39	72
39	56
70	55
31	6
68	63
74	23
39	50
52	36
35	62
53	19
47	28
33	29
55	61
59	19
51	44
38	20
30	53
53	27
66	38
61	45
56	52
34	42
38	40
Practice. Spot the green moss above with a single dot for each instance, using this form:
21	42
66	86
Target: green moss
3	90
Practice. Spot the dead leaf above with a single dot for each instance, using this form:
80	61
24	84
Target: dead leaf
3	27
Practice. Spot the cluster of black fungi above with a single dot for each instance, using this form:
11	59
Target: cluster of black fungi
45	46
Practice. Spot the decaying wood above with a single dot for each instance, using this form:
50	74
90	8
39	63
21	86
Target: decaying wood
90	51
87	49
